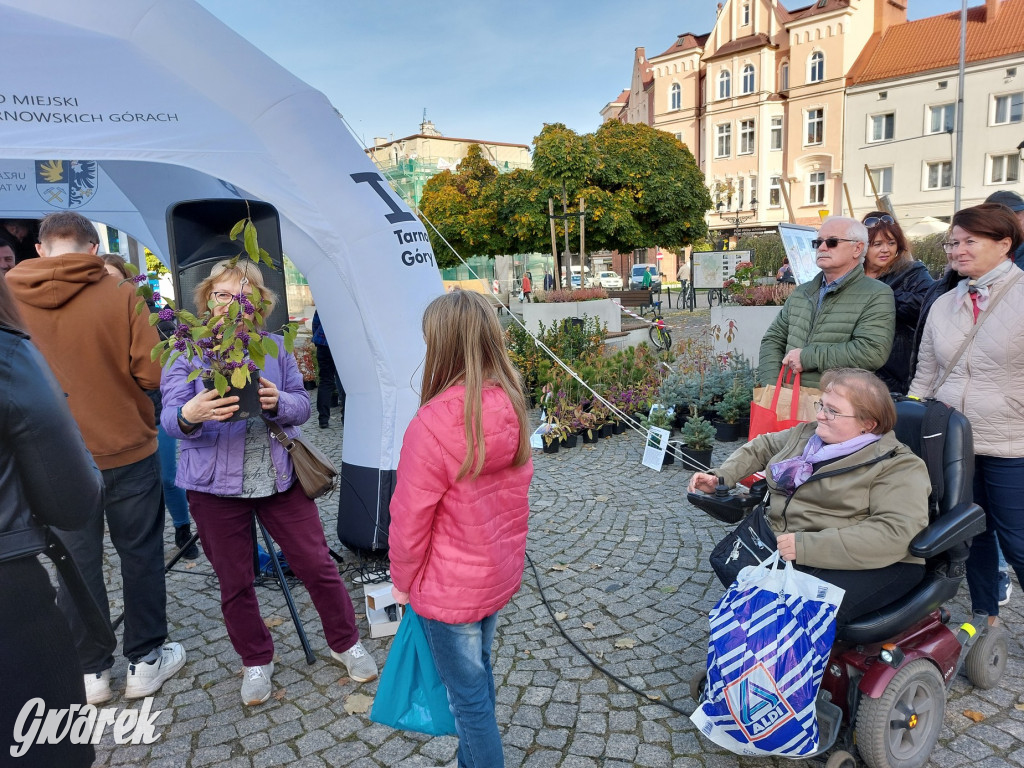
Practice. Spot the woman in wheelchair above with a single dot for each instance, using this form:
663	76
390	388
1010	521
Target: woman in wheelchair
845	496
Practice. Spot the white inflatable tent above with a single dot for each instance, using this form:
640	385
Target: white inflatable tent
162	103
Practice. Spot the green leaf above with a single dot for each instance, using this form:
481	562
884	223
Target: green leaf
156	352
193	376
154	318
237	229
187	317
174	356
239	377
252	247
270	347
131	269
220	383
256	353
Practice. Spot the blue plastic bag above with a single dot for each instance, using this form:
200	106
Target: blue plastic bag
410	694
771	634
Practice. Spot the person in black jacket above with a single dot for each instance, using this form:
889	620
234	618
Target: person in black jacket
47	477
888	259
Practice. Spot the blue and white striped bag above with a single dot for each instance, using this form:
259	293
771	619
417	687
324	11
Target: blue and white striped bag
771	634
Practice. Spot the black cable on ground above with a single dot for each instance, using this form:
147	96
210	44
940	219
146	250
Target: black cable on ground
593	662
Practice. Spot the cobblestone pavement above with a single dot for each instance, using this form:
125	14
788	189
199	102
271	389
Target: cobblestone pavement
623	557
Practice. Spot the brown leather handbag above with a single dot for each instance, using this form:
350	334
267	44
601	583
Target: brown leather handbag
314	471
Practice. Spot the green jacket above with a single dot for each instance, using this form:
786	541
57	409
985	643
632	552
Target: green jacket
858	512
853	329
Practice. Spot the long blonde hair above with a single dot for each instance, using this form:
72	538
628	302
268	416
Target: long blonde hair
243	269
465	346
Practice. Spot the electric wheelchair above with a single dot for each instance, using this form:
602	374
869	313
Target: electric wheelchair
883	694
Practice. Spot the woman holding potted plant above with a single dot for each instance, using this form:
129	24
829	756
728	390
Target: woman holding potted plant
233	469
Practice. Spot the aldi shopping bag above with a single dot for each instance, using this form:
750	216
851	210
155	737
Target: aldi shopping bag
771	634
410	694
781	405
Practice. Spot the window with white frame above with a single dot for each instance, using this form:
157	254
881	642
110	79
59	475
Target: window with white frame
816	67
938	175
748	78
746	15
723	143
1004	168
675	96
784	76
775	192
724	84
776	133
882	127
816	188
746	137
679	136
882	177
815	126
741	189
941	117
1008	108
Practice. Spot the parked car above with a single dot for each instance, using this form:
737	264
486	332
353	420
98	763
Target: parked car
609	280
636	276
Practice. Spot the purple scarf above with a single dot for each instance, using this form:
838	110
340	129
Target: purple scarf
790	474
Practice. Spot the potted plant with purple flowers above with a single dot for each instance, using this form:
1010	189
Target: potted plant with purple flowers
229	348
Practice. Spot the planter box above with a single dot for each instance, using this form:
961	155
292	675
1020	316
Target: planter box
604	310
750	325
694	459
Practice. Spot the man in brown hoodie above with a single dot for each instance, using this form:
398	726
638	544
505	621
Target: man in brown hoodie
85	324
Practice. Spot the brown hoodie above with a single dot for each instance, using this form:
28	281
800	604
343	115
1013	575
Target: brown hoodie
85	324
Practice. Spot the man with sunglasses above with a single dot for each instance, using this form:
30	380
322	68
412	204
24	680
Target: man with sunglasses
840	319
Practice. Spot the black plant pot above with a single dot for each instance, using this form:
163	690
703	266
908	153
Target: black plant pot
605	430
590	436
569	441
726	432
551	447
619	427
248	398
682	414
694	459
669	458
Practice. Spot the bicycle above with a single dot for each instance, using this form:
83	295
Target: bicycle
658	332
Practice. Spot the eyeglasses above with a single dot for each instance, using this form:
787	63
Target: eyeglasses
831	242
221	297
951	245
830	414
872	221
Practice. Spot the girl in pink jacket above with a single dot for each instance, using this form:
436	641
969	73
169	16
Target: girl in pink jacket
459	513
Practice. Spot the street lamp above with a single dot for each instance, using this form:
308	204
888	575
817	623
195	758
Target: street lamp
737	219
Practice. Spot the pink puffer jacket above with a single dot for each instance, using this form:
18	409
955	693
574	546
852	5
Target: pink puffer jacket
458	547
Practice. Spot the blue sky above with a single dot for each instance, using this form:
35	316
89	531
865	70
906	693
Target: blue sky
482	69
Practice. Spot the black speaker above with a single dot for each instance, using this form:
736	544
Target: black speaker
197	238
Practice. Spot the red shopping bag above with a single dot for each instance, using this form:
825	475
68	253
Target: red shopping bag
782	405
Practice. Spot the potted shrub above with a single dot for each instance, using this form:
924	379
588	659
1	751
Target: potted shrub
698	434
228	350
588	427
553	437
730	410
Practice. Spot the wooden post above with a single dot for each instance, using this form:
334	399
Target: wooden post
785	196
849	202
554	243
582	249
565	233
874	189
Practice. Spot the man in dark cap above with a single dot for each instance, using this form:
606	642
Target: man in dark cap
1015	203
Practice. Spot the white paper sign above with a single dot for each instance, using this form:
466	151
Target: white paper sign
654	451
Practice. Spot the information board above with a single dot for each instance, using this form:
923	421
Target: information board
712	268
802	255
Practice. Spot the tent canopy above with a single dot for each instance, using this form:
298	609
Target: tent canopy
160	102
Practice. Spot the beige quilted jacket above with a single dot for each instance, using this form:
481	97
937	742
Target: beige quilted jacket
987	384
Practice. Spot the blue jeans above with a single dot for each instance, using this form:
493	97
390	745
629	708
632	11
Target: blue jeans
999	489
174	497
462	653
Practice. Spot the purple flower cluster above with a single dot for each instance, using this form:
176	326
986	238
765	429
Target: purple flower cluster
253	368
166	314
139	279
156	295
181	345
243	337
182	331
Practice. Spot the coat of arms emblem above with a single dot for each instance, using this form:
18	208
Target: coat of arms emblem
66	184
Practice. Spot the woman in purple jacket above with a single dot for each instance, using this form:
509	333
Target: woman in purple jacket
233	470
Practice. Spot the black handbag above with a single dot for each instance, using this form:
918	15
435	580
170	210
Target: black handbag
751	543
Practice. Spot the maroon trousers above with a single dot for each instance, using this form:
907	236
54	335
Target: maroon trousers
225	529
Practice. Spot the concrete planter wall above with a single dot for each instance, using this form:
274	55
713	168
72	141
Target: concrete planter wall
605	310
750	325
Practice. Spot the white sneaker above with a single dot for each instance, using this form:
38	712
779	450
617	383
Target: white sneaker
256	684
97	688
145	679
359	663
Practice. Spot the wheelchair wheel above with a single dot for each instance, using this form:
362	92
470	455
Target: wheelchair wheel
986	660
840	759
900	728
697	683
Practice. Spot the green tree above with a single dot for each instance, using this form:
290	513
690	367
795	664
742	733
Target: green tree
929	250
768	252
